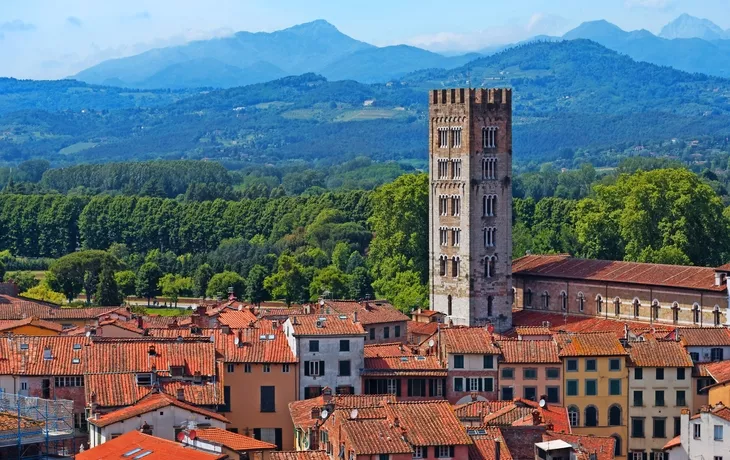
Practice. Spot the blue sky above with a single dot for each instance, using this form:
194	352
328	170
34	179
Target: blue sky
57	38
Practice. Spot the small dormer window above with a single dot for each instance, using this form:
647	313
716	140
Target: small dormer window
176	371
23	346
75	361
47	354
144	379
77	346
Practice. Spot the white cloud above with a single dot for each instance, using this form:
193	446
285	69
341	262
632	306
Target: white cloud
74	21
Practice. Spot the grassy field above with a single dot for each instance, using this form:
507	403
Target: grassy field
76	148
167	311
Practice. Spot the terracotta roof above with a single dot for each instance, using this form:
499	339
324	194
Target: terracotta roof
602	446
10	421
720	371
369	312
590	344
388	350
156	321
721	411
429	423
565	266
582	323
233	441
147	353
521	413
301	411
428	313
529	351
423	329
375	436
130	326
32	321
251	347
674	442
704	336
404	366
14	308
485	444
236	318
306	325
521	440
121	389
478	409
299	455
150	403
658	353
43	355
468	340
700	370
160	449
532	330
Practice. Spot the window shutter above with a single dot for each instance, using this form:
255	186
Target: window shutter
410	387
479	385
277	439
397	387
488	384
451	451
321	368
257	433
431	387
306	368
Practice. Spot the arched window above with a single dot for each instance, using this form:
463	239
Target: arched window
599	304
450	305
527	299
617	449
545	300
614	415
716	315
514	296
637	306
490	266
490	305
581	301
696	318
455	266
655	310
675	312
442	266
489	205
563	300
573	415
591	418
617	306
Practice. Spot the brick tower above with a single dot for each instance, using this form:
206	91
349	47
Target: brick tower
470	207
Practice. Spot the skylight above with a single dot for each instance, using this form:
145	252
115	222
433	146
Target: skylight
143	454
132	452
77	346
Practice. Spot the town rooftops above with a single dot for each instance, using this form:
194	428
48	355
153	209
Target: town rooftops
468	340
522	412
299	455
658	353
32	321
489	444
303	416
10	421
389	350
557	322
368	311
590	344
134	444
375	436
236	318
718	410
703	336
531	331
429	423
233	441
325	325
674	442
613	271
720	371
529	351
404	366
150	403
14	308
43	355
585	445
478	409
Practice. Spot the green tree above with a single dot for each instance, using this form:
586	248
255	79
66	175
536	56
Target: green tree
173	286
255	289
220	284
330	280
126	281
2	271
289	282
201	279
79	271
107	292
23	279
148	278
405	291
44	293
340	255
361	285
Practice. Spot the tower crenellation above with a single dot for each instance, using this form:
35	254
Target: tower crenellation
470	211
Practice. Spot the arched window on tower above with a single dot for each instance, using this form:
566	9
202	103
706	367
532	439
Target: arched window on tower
449	305
490	266
490	305
617	306
599	303
637	306
675	312
455	267
563	301
545	300
581	302
527	298
442	266
655	310
617	448
696	315
716	315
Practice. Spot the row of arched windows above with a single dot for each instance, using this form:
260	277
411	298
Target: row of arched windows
635	304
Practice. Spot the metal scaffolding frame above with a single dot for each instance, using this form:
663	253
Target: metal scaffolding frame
56	425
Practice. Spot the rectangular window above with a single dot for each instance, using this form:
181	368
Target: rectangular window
639	373
247	368
553	394
572	365
144	379
285	368
637	427
458	384
659	398
614	387
681	398
660	427
345	368
508	373
488	362
677	426
344	345
444	451
552	373
386	332
456	137
717	431
697	431
416	387
268	399
681	373
230	367
614	364
660	373
571	387
456	169
716	354
396	331
531	393
443	138
314	345
695	356
702	383
591	387
591	365
226	400
638	398
508	393
418	452
314	368
267	368
529	373
372	333
458	361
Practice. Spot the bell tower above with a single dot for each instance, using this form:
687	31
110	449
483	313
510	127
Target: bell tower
470	205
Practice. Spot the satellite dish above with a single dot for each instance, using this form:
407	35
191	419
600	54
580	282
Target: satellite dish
240	308
321	302
236	341
490	328
431	343
88	333
324	414
192	434
542	403
212	338
180	436
353	414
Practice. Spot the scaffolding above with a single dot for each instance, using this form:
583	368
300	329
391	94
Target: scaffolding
41	425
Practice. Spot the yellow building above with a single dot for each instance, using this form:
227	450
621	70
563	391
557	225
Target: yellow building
30	326
717	385
595	385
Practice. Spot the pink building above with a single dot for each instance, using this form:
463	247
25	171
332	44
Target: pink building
530	369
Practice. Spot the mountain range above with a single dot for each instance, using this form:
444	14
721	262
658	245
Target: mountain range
687	43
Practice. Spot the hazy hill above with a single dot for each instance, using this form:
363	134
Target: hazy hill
247	58
686	26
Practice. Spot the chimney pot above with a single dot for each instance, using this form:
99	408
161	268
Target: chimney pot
354	317
180	394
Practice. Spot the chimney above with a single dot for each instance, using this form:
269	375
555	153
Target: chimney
497	450
140	322
327	395
626	331
473	397
316	411
151	350
354	316
200	309
536	419
240	338
274	324
180	394
396	422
